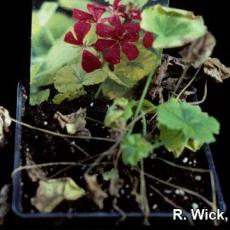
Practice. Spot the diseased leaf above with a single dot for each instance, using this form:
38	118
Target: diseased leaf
5	122
134	149
172	27
215	69
74	123
51	193
98	195
119	113
112	90
199	50
133	71
183	125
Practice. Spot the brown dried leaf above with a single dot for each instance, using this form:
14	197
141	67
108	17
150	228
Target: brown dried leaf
4	205
74	123
214	68
96	191
34	173
5	122
199	50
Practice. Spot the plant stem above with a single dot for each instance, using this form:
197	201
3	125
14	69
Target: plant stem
145	91
181	78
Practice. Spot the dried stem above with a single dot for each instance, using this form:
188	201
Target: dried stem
199	170
62	135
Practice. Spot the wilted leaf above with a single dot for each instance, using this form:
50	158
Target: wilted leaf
119	113
183	125
35	173
5	122
74	123
172	27
96	191
51	193
214	68
4	205
133	71
199	50
134	149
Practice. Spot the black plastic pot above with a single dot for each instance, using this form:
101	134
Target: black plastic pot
18	192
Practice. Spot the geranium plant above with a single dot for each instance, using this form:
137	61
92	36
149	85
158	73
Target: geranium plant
114	57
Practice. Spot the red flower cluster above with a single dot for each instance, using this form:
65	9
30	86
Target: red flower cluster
117	33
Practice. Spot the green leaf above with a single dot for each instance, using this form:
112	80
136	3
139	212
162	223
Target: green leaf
110	175
51	193
36	98
91	36
71	4
172	27
46	11
133	71
119	113
184	125
134	149
112	90
135	3
70	80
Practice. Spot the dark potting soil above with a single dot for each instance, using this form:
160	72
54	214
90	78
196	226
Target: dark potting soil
45	148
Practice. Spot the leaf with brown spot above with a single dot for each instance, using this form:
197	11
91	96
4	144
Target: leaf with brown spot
96	191
5	122
215	69
199	50
74	123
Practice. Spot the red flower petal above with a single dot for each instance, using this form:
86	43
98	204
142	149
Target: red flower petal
148	40
69	38
130	50
115	21
81	15
135	14
103	44
96	10
132	27
90	62
113	55
104	30
116	4
81	29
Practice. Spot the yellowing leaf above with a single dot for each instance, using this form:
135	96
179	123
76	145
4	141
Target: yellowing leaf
112	90
172	27
134	149
133	71
51	193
